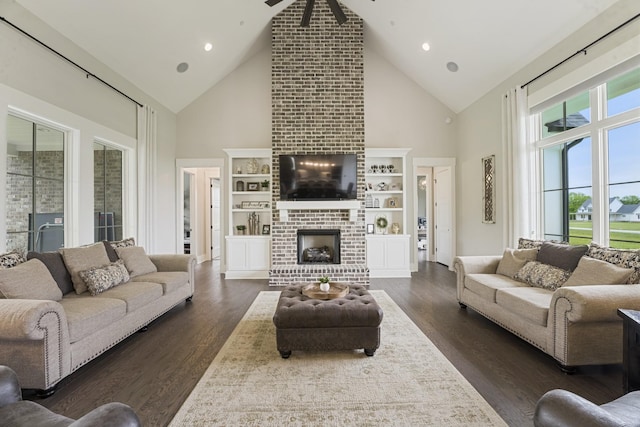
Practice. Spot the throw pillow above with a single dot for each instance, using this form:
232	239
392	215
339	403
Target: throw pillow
81	259
514	259
55	264
591	271
111	246
29	280
99	279
545	276
565	257
524	243
11	259
136	260
626	258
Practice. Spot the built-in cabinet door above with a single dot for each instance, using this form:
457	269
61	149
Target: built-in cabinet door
388	255
397	252
259	254
236	254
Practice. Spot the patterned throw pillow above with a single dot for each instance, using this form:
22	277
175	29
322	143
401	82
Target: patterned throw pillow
99	279
130	241
11	259
535	244
543	276
626	258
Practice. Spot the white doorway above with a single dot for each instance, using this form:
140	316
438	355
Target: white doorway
434	204
216	223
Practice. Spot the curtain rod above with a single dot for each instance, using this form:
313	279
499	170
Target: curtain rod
87	72
583	50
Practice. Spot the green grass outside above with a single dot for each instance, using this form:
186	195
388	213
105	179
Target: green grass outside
580	237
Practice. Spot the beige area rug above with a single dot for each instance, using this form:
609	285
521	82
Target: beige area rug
407	383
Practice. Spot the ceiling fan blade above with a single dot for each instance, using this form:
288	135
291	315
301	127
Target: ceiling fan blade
308	10
337	11
272	2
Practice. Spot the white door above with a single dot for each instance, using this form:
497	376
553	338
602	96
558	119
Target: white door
215	219
443	215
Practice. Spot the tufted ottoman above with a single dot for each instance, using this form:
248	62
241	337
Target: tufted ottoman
346	323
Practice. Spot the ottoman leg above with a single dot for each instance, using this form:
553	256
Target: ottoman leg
285	354
369	352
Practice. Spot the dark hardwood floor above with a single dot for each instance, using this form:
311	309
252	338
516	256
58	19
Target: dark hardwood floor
155	371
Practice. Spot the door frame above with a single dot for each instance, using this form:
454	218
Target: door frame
431	162
181	166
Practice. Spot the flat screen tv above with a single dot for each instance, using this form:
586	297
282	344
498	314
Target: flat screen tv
318	177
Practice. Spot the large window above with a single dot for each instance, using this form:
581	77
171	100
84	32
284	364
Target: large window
35	186
107	192
590	151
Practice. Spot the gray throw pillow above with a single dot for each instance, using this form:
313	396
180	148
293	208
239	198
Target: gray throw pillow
591	271
514	259
562	256
81	259
55	264
29	280
136	260
541	275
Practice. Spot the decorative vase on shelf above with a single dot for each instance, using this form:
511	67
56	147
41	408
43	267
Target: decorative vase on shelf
395	228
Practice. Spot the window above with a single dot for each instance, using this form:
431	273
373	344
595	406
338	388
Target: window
589	148
35	186
107	192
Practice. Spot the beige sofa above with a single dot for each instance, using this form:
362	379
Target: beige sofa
47	336
577	322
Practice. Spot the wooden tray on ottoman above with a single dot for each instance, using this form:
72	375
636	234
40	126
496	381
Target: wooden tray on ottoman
336	290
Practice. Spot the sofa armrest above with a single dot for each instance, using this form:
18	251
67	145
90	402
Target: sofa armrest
110	414
563	408
9	387
26	319
473	264
595	303
173	262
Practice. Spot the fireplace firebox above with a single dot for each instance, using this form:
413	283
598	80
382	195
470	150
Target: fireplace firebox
318	246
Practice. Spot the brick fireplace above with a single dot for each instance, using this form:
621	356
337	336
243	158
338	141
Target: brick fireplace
317	108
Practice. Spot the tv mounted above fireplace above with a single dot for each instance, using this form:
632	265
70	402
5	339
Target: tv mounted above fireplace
318	177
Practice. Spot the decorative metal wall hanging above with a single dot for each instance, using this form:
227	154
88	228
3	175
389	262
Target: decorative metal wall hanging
488	190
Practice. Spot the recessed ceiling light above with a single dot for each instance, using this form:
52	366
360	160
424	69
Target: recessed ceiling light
452	66
208	47
182	67
425	46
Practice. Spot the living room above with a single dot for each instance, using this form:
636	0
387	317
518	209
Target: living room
237	112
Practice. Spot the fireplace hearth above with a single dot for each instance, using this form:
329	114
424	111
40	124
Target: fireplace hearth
318	246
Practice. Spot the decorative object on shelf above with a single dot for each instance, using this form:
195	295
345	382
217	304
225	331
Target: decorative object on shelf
252	186
395	186
266	229
266	169
381	224
368	201
254	223
488	190
254	205
374	168
239	185
238	169
395	228
241	229
324	284
265	185
252	166
369	186
390	168
370	229
376	203
392	202
381	186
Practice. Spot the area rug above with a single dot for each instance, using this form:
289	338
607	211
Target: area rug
407	383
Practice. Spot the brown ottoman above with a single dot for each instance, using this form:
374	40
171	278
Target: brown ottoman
347	323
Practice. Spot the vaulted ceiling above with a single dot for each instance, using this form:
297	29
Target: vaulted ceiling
145	40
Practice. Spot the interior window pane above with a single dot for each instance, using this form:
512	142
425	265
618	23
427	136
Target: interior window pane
623	93
552	158
49	216
107	193
19	203
579	163
19	145
49	153
567	115
624	186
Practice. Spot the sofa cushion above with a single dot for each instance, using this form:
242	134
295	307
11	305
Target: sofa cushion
135	295
565	257
541	275
514	259
136	260
99	279
11	259
591	271
627	258
86	315
531	303
55	264
29	280
81	259
170	280
485	285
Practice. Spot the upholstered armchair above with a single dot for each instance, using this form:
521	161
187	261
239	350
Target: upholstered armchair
561	408
17	412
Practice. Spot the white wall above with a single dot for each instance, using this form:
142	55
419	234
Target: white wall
33	70
479	126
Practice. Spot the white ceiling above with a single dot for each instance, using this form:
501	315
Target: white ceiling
144	40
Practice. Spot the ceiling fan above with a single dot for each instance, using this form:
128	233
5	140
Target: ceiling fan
308	10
